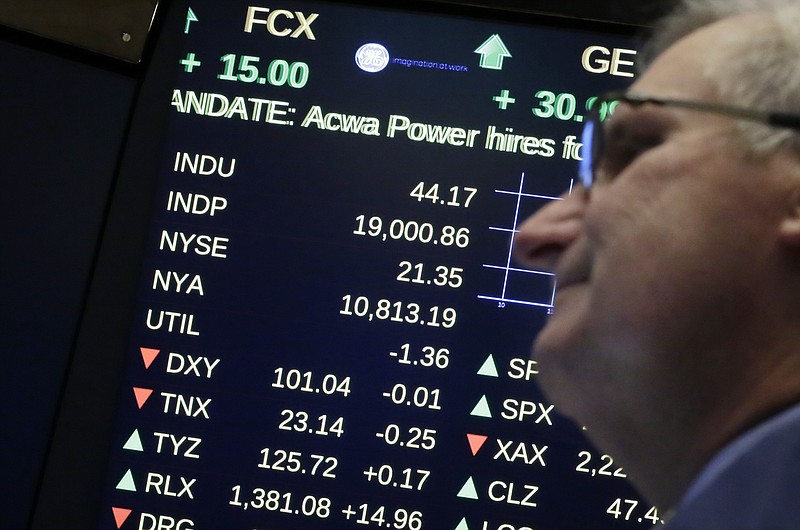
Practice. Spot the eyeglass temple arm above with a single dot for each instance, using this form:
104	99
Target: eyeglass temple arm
778	119
783	119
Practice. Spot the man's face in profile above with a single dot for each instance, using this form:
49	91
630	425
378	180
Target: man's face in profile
658	265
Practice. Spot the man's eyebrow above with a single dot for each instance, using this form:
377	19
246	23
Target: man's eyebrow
640	118
621	122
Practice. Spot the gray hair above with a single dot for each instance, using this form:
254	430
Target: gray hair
761	71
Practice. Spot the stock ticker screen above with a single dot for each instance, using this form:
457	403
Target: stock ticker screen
330	331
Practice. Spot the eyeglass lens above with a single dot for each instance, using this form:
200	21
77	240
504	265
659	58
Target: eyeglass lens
586	165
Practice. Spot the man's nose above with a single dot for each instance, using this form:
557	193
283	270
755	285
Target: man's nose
543	237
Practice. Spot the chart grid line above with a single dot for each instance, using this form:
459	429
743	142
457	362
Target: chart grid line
530	195
524	271
513	301
513	233
507	269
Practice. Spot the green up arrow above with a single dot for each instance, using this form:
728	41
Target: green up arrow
492	53
190	17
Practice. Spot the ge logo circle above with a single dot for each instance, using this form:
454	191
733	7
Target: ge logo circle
372	57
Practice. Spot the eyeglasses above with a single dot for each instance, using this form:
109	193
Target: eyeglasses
594	140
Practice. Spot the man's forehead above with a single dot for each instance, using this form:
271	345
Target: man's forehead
691	68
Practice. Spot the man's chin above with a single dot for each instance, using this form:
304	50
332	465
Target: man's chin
563	328
560	347
555	379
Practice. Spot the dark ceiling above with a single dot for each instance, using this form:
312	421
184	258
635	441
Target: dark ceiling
633	12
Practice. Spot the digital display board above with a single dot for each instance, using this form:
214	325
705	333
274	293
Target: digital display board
329	330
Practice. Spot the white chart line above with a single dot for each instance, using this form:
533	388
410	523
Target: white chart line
524	271
512	301
513	231
530	195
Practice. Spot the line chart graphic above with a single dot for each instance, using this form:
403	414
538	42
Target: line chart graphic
521	286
